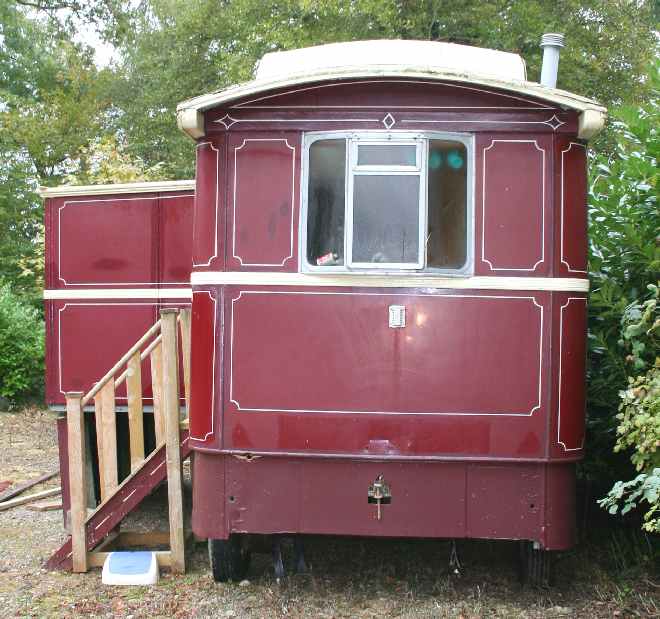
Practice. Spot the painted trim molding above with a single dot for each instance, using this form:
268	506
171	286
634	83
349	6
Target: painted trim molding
120	293
561	343
233	278
233	398
114	188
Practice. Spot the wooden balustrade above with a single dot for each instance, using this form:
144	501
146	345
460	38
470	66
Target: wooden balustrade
160	344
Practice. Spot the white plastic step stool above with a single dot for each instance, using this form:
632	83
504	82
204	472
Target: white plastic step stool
130	568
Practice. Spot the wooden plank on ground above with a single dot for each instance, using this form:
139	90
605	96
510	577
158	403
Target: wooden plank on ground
97	559
135	412
108	474
156	359
143	538
22	500
12	492
172	437
45	507
77	481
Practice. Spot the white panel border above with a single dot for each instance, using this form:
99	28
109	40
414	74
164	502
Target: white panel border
483	208
561	238
217	199
113	200
59	334
293	201
536	407
213	376
561	342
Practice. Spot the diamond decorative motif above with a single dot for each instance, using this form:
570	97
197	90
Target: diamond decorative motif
389	121
226	121
554	122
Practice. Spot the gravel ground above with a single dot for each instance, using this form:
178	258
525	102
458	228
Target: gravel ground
606	577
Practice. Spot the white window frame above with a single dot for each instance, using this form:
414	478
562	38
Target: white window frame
418	170
353	140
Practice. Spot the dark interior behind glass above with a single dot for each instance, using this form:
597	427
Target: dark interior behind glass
325	202
447	205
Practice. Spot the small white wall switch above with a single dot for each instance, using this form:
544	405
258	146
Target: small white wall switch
397	316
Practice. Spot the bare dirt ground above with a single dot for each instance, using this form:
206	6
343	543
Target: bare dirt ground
606	577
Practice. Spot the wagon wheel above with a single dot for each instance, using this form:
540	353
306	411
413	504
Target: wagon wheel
229	558
535	565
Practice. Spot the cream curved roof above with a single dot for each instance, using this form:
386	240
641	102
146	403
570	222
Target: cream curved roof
395	53
427	60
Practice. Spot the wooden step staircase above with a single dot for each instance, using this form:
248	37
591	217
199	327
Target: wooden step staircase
90	534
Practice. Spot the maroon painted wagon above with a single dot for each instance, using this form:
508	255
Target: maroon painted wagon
389	293
389	285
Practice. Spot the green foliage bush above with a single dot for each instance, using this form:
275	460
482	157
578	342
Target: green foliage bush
22	346
624	314
639	413
624	224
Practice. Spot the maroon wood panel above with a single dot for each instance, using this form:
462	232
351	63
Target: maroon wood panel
206	360
208	496
560	499
428	499
210	205
571	328
123	240
88	337
571	219
319	371
325	352
175	239
420	492
513	209
505	502
91	336
391	93
263	189
386	103
107	240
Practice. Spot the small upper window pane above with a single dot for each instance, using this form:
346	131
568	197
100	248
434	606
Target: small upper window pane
325	202
447	205
386	219
387	155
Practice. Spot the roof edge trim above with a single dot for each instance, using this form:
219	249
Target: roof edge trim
188	111
115	188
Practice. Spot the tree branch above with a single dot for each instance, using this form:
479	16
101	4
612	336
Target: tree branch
47	5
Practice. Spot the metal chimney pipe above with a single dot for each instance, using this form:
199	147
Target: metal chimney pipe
551	43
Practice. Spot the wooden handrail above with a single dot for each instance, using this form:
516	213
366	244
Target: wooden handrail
143	355
115	368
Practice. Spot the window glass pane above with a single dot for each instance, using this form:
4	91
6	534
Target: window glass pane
325	202
387	154
386	218
447	204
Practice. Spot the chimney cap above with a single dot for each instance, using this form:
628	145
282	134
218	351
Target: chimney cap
552	38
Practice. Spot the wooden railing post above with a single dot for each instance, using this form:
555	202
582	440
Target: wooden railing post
170	409
135	412
75	422
156	360
107	441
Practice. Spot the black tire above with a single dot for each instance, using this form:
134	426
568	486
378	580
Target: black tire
535	565
229	558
